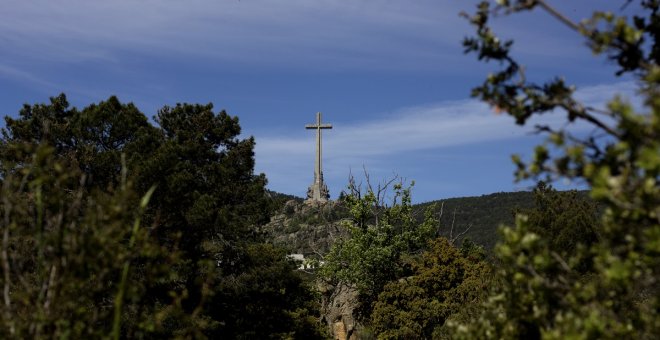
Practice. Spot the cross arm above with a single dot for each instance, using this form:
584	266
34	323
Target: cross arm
322	126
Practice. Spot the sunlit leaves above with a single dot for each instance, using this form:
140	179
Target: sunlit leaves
619	160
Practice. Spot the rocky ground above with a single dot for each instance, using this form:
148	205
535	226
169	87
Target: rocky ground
308	229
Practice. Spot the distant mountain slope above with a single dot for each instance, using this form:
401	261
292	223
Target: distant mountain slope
277	200
282	197
483	214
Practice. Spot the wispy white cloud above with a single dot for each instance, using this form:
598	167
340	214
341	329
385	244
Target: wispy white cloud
24	76
249	30
328	33
288	160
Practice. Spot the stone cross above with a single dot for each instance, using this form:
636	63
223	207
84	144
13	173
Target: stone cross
318	191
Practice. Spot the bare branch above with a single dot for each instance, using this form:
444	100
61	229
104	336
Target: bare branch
561	261
461	234
366	176
451	231
50	288
600	111
442	209
5	262
581	112
385	187
558	15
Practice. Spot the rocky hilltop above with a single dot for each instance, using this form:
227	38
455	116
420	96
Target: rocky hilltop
308	229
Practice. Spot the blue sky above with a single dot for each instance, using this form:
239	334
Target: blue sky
390	75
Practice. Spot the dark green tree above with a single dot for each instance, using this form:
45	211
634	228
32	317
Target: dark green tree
566	219
445	281
267	299
210	201
204	211
92	139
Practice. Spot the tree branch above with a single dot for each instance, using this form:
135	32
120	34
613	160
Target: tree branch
559	16
5	263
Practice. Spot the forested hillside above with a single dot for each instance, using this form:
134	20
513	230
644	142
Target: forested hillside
478	218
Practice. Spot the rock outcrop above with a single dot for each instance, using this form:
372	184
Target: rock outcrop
310	230
338	310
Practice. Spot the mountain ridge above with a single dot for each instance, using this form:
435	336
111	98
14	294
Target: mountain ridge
476	218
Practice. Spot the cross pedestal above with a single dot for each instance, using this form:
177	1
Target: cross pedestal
318	191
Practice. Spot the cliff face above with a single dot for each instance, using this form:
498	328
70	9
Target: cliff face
310	230
339	305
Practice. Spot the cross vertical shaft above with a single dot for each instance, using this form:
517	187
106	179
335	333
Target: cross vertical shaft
318	191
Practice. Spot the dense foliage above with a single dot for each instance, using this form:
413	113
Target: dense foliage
379	236
64	252
445	281
566	219
543	294
408	281
188	263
